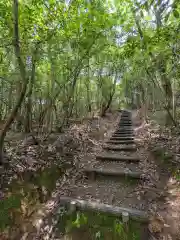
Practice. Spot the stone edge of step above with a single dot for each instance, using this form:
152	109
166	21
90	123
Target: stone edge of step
109	172
73	204
116	148
116	157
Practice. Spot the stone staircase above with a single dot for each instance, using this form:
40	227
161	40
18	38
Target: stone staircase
120	148
117	163
121	141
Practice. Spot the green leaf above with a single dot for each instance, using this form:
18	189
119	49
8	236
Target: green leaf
146	5
148	18
167	17
14	201
176	13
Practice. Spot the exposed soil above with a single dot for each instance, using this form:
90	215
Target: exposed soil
120	193
76	149
161	148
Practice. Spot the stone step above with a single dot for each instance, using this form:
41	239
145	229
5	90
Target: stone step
120	130
94	172
124	131
73	204
120	142
120	148
124	128
122	134
108	156
126	113
125	120
125	125
122	138
125	116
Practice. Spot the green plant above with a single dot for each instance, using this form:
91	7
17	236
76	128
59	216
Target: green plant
177	175
162	154
8	206
100	225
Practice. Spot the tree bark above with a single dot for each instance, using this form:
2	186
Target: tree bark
23	79
28	123
88	90
106	107
166	84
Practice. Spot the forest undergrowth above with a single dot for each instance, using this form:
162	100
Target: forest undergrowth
66	66
38	172
27	190
162	145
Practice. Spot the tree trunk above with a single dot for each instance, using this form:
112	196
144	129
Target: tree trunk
166	84
28	123
23	79
167	89
88	90
88	97
162	66
106	107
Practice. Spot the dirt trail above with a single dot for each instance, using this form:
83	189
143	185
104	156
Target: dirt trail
115	177
118	174
99	168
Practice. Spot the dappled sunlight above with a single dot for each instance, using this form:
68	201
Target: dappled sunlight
89	110
170	209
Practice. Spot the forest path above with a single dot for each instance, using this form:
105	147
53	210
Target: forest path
117	176
114	179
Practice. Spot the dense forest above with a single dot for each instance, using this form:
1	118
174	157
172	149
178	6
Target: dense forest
63	59
69	60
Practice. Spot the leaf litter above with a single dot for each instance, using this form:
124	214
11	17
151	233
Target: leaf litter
77	148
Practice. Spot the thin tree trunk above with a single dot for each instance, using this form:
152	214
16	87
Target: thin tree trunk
106	107
23	79
28	123
162	69
88	91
